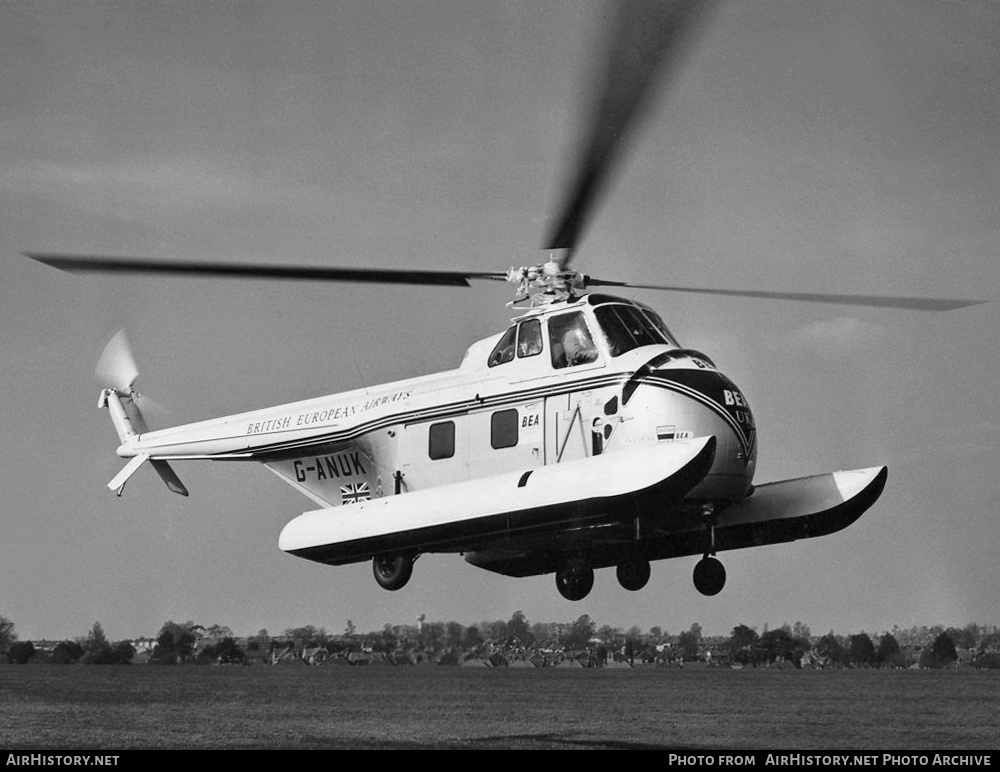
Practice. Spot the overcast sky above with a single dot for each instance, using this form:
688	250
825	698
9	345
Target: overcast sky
804	146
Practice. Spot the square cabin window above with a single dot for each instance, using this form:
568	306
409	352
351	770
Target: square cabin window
442	440
503	429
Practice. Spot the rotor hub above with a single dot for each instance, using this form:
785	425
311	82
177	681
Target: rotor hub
545	283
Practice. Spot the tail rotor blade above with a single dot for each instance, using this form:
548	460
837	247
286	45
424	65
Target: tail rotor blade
116	367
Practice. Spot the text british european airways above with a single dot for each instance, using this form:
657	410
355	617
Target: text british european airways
313	417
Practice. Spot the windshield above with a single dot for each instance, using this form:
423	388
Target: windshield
628	327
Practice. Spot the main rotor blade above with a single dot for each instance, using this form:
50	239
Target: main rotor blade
646	36
879	301
97	264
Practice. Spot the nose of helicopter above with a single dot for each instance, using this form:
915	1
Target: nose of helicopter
689	398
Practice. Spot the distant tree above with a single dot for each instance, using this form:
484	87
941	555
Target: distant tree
780	644
964	638
471	639
828	646
888	653
519	630
939	654
656	634
800	630
861	650
107	653
990	642
689	643
350	631
96	639
548	634
67	653
579	634
431	637
218	632
175	643
612	637
453	633
7	634
944	648
164	652
495	631
20	652
387	640
122	653
306	636
986	660
744	644
225	652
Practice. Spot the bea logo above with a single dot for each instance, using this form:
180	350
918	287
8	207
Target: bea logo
733	397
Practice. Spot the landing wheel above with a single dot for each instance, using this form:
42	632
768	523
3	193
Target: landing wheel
575	579
709	576
633	573
392	571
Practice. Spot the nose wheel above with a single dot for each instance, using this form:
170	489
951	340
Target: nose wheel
709	576
709	573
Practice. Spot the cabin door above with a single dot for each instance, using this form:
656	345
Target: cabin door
569	427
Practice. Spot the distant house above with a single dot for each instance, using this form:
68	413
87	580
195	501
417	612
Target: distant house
315	655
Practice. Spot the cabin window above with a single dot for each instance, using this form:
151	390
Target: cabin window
441	443
529	338
503	429
569	340
504	349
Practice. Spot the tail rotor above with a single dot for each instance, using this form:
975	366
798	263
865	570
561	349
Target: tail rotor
116	367
117	372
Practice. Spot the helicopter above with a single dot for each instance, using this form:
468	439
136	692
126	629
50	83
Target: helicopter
583	436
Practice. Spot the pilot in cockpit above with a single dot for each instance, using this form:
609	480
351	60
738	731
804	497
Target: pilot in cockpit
578	346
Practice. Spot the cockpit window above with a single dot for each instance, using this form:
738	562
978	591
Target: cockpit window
627	327
529	338
504	349
569	341
659	325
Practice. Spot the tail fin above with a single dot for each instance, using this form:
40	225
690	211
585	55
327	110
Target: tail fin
117	367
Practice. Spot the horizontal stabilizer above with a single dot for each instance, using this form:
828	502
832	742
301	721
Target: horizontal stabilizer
119	480
169	476
449	517
162	468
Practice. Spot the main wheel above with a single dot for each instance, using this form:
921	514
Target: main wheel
392	571
709	576
575	581
633	573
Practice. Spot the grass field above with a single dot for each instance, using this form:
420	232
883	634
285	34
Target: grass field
105	708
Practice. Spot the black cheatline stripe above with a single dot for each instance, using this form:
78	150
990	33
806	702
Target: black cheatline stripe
669	385
421	415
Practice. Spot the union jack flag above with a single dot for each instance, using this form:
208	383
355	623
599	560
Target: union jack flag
353	493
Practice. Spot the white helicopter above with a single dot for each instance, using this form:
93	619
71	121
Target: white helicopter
583	436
